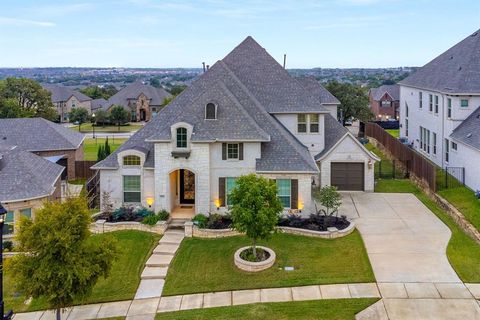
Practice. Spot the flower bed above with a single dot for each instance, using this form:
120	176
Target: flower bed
315	222
133	214
213	221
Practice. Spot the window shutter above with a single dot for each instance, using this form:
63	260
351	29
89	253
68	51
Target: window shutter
224	151
240	151
221	191
294	194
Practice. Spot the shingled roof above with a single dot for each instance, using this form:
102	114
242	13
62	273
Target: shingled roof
457	70
393	90
61	93
468	132
133	91
24	175
249	87
319	91
38	134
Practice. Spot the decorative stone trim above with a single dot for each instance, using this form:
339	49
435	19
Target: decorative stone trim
331	233
101	226
254	266
211	233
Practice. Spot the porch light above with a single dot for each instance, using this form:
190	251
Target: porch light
300	206
149	201
217	204
370	164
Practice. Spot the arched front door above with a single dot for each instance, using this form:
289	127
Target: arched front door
187	187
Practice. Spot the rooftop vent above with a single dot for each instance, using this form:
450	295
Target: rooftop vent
469	135
460	68
475	34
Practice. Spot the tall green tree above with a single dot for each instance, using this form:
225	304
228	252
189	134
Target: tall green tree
119	116
26	97
60	263
101	116
353	99
78	115
96	92
107	148
9	108
256	207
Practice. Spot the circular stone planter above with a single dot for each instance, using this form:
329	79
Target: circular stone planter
254	266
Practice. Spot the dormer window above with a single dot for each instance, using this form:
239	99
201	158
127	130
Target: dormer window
181	137
131	160
210	111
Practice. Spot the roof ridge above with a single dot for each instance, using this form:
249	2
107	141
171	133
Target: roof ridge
298	146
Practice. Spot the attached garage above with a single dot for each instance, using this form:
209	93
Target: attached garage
348	175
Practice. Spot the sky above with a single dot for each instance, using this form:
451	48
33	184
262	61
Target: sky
168	33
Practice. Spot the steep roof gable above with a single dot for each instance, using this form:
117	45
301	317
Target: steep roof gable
134	90
61	93
392	90
457	70
468	132
268	81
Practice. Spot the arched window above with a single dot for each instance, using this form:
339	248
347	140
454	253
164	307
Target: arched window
210	111
181	137
131	160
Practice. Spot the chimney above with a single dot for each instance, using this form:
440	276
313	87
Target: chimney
208	67
284	60
203	63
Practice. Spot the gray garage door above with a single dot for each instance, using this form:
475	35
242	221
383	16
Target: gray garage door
347	175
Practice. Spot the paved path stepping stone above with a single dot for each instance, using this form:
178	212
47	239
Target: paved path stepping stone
150	288
172	238
166	248
154	273
159	260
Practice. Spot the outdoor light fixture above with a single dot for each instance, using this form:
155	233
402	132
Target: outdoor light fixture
300	206
217	204
150	201
370	164
8	316
93	124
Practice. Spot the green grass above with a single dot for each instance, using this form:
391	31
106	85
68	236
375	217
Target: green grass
87	128
134	249
90	146
462	251
305	310
394	132
386	165
465	201
205	265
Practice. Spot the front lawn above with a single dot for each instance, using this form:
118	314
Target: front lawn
90	146
465	201
462	251
206	265
134	249
341	309
87	128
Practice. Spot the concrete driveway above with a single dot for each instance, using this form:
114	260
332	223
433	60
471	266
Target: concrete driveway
405	241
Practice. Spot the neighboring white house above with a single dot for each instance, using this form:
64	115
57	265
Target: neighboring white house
440	105
244	115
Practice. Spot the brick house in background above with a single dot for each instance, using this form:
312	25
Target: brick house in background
46	139
65	99
385	102
142	101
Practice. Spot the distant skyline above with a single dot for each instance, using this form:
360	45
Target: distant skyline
160	34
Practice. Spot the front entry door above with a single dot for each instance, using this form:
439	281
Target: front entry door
187	187
143	115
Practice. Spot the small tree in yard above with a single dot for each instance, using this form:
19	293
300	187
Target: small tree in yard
79	115
107	204
61	264
330	199
256	207
119	115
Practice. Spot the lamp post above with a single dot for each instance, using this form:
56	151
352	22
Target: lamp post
93	124
3	214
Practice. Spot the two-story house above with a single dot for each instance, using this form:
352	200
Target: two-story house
66	99
440	113
385	102
244	115
142	101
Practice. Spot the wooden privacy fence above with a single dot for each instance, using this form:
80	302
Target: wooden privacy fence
414	163
82	169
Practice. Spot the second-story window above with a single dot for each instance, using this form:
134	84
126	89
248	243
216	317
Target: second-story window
314	123
131	161
449	108
232	151
430	102
436	104
420	100
464	103
302	123
181	137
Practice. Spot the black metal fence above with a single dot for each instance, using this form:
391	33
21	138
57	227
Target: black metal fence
450	177
390	169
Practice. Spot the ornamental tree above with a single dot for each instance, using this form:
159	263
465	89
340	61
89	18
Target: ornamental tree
79	115
119	115
256	207
330	199
61	263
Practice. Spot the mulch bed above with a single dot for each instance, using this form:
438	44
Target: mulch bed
316	222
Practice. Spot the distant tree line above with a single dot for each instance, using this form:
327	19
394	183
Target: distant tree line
96	92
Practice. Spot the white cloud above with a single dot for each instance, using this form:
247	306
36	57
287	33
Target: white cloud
63	9
24	22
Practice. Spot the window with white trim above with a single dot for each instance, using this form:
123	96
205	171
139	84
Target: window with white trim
314	122
302	123
181	137
230	183
464	103
447	150
436	104
308	123
232	151
454	146
430	102
420	100
434	143
27	212
9	223
131	189
131	160
449	108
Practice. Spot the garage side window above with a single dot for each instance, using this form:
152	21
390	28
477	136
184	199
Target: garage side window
131	189
131	161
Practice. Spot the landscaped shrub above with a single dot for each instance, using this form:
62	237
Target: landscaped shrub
151	219
316	222
200	220
143	212
163	215
7	246
124	214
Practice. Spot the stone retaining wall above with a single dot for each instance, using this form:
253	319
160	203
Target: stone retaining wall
101	226
195	231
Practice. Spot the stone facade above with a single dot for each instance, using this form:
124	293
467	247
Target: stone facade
65	107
